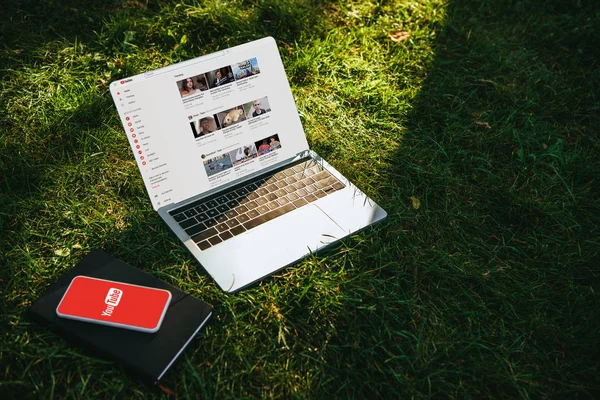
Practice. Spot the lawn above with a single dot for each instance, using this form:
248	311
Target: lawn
473	123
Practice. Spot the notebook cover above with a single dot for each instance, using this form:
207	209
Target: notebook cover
148	355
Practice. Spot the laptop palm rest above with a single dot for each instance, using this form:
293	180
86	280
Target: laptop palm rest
238	261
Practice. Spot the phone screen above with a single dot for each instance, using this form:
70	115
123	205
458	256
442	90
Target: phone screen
116	304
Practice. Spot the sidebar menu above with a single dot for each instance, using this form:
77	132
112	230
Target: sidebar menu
146	148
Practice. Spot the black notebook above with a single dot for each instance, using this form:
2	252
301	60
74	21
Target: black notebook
148	355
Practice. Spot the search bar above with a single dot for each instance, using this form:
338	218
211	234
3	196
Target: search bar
185	64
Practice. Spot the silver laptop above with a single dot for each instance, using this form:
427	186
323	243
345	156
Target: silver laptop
224	158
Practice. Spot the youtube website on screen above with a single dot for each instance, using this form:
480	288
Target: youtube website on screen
200	124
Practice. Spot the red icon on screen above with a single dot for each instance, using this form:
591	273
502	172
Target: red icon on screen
122	82
129	124
141	157
135	141
144	163
134	135
127	118
140	152
118	93
137	147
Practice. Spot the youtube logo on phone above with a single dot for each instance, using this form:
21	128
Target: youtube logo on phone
117	304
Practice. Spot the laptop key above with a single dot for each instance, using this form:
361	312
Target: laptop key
201	208
253	214
320	175
251	187
310	188
308	180
243	218
326	182
231	196
300	202
215	240
301	192
222	227
190	213
299	185
310	197
188	222
203	245
232	222
226	235
222	208
231	213
179	217
201	217
221	200
221	218
195	229
237	230
241	209
263	209
204	235
211	204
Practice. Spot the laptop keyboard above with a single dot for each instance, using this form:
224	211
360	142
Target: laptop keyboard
224	215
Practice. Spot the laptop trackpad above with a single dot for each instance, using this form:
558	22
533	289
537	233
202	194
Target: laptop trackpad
269	247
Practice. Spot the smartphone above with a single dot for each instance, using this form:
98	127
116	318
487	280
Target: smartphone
116	304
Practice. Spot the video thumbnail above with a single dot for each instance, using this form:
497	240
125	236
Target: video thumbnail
257	107
192	85
245	69
243	154
217	164
268	144
220	77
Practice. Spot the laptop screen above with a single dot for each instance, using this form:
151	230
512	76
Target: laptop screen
202	123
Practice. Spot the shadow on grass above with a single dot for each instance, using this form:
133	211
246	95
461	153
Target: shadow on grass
502	232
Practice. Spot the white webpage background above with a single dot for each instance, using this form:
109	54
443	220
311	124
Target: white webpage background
174	169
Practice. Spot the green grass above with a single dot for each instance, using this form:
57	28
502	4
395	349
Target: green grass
478	135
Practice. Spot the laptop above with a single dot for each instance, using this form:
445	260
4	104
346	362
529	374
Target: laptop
225	161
